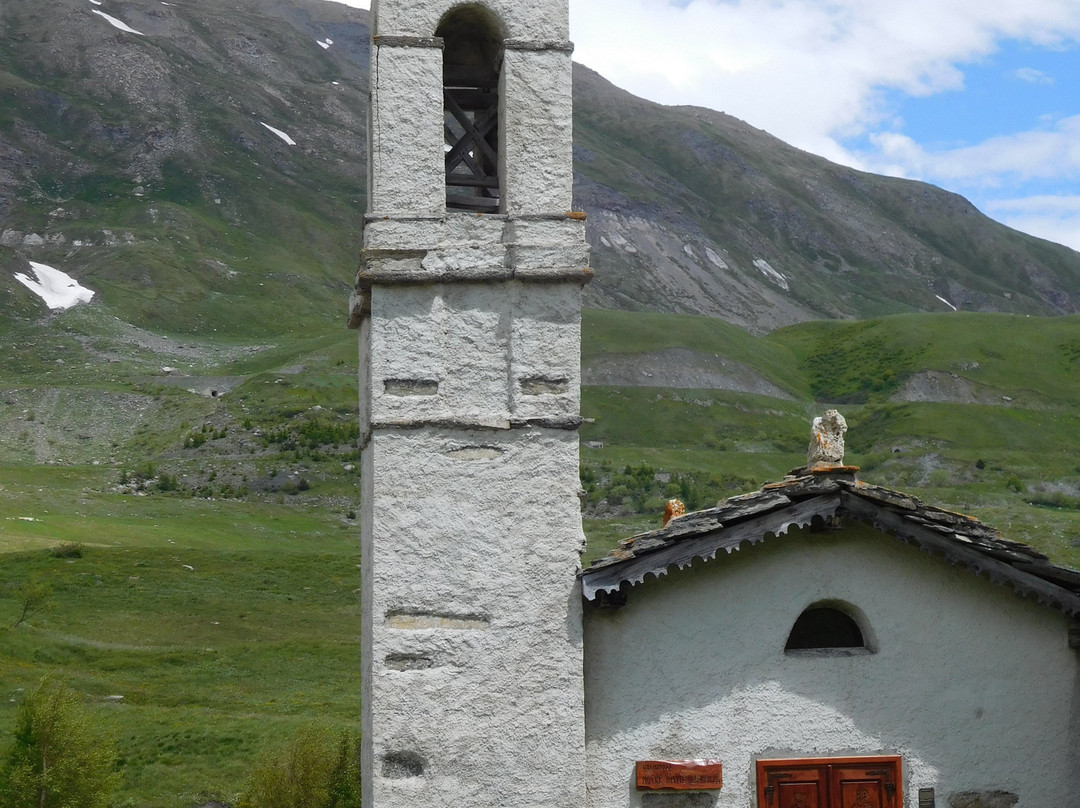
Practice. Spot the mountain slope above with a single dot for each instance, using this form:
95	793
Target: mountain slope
146	165
692	210
207	173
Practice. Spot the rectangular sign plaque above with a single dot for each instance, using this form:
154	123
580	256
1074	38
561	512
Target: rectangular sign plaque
680	775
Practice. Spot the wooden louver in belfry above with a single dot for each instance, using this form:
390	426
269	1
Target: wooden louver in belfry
471	125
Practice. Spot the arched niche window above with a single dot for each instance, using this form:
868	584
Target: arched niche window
830	628
472	61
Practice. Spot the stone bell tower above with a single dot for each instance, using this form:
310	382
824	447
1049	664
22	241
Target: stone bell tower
468	305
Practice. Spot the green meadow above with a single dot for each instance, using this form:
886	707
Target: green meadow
200	633
205	615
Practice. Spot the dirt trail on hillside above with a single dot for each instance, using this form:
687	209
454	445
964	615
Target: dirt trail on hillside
950	388
679	368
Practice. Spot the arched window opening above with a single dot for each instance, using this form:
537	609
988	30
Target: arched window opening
472	61
824	627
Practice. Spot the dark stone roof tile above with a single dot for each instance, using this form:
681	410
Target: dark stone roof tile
822	494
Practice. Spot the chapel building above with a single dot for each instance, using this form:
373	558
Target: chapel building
820	643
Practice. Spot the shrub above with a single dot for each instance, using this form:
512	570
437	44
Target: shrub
58	759
307	773
939	478
168	482
345	777
67	549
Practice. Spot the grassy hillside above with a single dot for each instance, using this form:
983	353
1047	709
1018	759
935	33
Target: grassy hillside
144	165
217	587
1033	361
941	406
223	626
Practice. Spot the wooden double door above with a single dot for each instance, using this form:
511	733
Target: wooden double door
854	782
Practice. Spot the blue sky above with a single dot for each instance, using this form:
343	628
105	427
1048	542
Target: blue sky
981	97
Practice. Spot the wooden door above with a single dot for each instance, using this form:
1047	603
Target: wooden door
796	787
870	782
865	786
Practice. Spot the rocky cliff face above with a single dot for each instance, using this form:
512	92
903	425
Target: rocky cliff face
216	150
187	159
693	210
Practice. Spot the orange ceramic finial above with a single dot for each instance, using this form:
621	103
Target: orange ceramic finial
673	510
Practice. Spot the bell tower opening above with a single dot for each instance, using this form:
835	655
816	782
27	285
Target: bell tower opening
472	63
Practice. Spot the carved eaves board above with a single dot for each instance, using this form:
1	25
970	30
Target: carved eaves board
798	501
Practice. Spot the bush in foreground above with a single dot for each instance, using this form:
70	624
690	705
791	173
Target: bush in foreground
308	772
57	759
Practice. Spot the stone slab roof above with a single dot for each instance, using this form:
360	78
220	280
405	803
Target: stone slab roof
819	497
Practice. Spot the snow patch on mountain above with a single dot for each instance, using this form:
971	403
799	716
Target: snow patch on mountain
115	23
58	289
773	275
280	134
715	259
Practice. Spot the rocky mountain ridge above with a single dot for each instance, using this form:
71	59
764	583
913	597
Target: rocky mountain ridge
167	154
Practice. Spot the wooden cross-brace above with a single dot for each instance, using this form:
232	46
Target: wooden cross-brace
472	157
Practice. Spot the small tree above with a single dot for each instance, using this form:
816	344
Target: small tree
58	759
32	596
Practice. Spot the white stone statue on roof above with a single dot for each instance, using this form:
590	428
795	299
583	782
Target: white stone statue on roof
827	440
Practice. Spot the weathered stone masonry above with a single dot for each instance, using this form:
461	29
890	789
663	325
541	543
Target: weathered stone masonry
469	374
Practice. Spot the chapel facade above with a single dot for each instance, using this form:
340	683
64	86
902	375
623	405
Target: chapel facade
821	643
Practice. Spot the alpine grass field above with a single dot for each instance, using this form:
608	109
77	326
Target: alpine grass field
178	464
205	569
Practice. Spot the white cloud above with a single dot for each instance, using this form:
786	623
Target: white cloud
1056	218
1033	76
1052	153
808	71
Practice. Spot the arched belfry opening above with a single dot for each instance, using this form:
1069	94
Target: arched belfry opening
472	63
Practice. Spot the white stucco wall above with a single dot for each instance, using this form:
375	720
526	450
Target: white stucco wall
405	157
537	131
469	391
974	686
483	350
470	538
